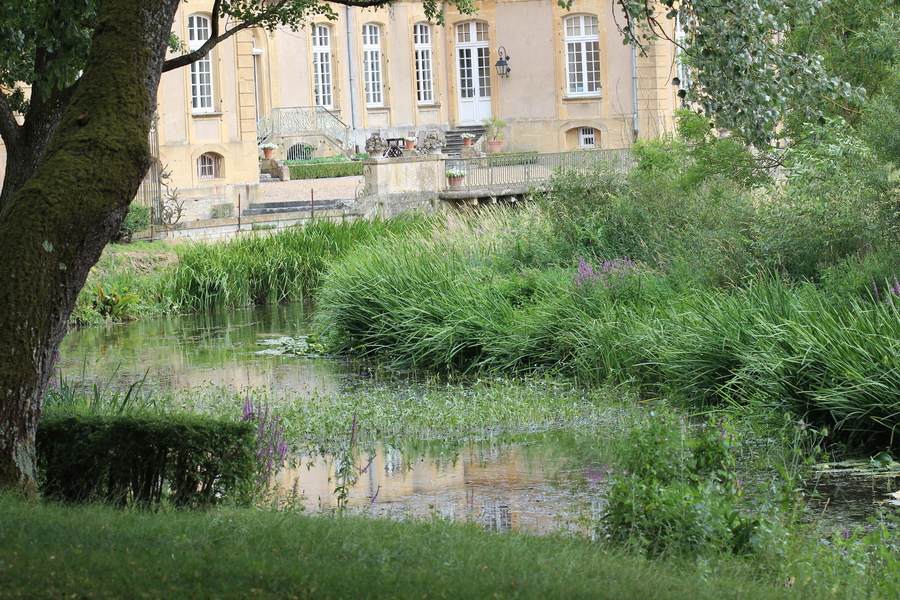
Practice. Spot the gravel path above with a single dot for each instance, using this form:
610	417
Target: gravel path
335	188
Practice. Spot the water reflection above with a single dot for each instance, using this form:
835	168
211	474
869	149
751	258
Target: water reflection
527	485
545	482
224	349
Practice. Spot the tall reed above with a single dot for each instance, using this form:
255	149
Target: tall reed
267	269
451	299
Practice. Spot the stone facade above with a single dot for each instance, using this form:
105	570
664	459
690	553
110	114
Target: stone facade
388	71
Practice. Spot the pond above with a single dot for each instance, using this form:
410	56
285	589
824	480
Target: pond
541	482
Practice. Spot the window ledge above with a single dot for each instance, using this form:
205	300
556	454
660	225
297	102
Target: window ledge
200	115
584	98
429	105
378	108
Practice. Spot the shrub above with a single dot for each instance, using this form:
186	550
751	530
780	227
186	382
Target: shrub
677	490
187	460
223	211
325	170
505	159
137	219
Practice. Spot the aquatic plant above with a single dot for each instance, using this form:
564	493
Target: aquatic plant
271	448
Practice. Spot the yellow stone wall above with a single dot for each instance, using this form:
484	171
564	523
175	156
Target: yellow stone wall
256	71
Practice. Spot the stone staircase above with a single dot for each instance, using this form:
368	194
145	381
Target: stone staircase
292	206
455	143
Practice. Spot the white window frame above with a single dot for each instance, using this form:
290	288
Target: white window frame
372	67
322	71
582	41
422	56
209	166
202	101
587	138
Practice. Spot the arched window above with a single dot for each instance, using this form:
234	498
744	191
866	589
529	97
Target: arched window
582	55
371	36
209	166
322	84
424	79
199	28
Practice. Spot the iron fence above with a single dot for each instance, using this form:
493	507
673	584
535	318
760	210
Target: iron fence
492	172
150	191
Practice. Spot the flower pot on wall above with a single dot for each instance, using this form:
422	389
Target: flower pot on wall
455	182
467	141
410	144
494	145
268	152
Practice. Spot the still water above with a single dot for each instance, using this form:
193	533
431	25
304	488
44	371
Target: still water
539	482
232	349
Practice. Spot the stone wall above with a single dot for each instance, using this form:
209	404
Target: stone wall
397	185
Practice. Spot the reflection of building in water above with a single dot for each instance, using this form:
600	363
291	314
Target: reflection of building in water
501	486
496	516
393	461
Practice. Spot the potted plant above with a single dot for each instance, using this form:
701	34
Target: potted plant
455	177
467	138
493	127
410	142
268	149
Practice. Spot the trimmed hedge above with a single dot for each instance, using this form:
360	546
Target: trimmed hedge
318	160
505	159
188	460
323	170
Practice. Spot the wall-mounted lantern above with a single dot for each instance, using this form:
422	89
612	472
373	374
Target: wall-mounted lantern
503	64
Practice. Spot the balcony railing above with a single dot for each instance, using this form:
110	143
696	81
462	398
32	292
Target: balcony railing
502	171
303	120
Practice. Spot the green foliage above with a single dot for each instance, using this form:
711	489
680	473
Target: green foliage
493	127
137	219
859	275
504	159
858	41
136	460
880	119
325	170
223	211
490	294
319	160
345	554
580	203
28	28
743	73
95	399
255	270
115	305
678	490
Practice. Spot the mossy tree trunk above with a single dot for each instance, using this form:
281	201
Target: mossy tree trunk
55	226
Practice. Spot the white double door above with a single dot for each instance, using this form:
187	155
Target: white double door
473	64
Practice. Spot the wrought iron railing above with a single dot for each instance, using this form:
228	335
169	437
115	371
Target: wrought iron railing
495	172
303	120
150	192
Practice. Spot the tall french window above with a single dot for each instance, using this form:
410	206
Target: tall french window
424	79
201	70
582	55
372	71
